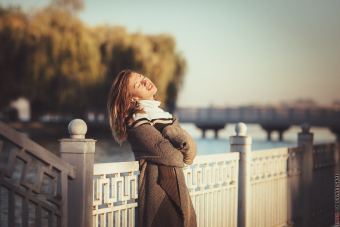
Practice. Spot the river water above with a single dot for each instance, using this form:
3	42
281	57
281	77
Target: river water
107	150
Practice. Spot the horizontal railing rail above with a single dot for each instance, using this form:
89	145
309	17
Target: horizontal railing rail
36	150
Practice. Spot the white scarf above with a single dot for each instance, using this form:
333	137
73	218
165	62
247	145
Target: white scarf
152	111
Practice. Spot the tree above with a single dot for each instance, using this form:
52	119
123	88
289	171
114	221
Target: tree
50	58
63	66
71	5
14	46
65	62
153	56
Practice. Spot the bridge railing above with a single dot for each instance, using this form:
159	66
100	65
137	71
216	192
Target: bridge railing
268	186
275	187
212	181
33	182
116	193
289	116
325	166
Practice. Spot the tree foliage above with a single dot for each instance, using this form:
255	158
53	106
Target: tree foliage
71	5
153	56
14	47
61	65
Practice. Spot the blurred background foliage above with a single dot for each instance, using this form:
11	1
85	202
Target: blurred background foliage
63	66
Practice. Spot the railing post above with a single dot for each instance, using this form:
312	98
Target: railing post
242	143
79	152
305	139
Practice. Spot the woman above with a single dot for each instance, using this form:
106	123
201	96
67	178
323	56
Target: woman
160	146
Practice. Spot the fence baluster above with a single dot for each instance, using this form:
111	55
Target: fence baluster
24	211
38	215
11	207
50	219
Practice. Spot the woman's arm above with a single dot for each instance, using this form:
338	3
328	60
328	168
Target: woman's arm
177	136
181	140
148	143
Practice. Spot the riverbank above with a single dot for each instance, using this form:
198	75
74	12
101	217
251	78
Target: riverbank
57	129
107	150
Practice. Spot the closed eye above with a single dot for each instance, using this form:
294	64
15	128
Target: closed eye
140	82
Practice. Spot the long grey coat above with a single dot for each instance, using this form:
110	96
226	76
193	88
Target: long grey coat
172	147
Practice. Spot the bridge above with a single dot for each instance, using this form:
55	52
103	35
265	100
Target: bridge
270	119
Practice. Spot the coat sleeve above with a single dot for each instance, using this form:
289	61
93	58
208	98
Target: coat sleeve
181	140
149	144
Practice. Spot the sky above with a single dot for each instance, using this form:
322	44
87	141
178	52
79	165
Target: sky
237	52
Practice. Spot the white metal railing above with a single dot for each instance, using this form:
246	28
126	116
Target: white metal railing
212	181
241	188
325	158
294	193
115	188
275	187
268	179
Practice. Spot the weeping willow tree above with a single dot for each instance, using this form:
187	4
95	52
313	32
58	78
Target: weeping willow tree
65	62
153	56
63	66
14	47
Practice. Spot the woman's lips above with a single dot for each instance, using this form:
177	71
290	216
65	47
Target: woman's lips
150	86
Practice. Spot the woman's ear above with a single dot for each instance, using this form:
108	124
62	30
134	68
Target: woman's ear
134	99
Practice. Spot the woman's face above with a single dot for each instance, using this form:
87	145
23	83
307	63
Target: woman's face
141	87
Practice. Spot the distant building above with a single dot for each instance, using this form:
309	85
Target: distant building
23	107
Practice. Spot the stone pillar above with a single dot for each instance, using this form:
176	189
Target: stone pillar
281	135
269	133
79	152
242	143
336	131
270	128
216	133
305	139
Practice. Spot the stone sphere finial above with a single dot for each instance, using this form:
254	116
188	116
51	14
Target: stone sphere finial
305	127
240	129
77	129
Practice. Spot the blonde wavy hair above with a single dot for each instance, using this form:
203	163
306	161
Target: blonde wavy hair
120	106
